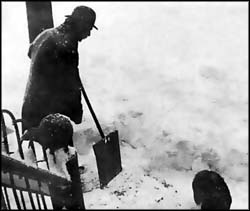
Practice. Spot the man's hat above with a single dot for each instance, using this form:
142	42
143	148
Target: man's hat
85	14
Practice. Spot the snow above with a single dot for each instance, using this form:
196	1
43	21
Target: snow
171	77
58	168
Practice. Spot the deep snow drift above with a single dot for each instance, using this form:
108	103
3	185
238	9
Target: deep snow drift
172	78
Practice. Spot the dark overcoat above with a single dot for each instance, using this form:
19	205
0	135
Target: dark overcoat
54	83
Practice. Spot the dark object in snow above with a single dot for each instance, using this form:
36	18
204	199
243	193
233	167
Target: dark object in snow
166	185
54	131
211	191
119	193
54	82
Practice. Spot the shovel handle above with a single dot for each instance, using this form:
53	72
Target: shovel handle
92	111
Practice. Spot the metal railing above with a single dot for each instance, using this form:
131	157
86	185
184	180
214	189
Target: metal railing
30	187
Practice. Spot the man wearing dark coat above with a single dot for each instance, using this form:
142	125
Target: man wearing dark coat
54	84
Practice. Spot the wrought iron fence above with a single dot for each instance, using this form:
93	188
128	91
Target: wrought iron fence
30	187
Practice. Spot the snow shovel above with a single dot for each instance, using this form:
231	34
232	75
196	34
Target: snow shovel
107	151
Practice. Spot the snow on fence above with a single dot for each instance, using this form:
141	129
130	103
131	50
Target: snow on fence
28	186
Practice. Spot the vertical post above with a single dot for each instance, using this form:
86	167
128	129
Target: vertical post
39	15
30	193
69	196
23	201
44	202
4	134
14	122
76	188
7	197
13	187
3	204
38	201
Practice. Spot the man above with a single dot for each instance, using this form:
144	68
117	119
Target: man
54	82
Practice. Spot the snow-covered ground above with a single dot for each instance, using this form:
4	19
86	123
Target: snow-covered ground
171	77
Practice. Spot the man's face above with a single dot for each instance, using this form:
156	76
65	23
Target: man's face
83	31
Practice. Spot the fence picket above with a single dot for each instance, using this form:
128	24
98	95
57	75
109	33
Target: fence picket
3	204
23	201
15	191
7	198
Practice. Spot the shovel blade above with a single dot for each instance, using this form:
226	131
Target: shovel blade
108	158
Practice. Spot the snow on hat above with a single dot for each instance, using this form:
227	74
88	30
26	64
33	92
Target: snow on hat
84	13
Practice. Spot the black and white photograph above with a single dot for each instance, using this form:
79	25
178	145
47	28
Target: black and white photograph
124	105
